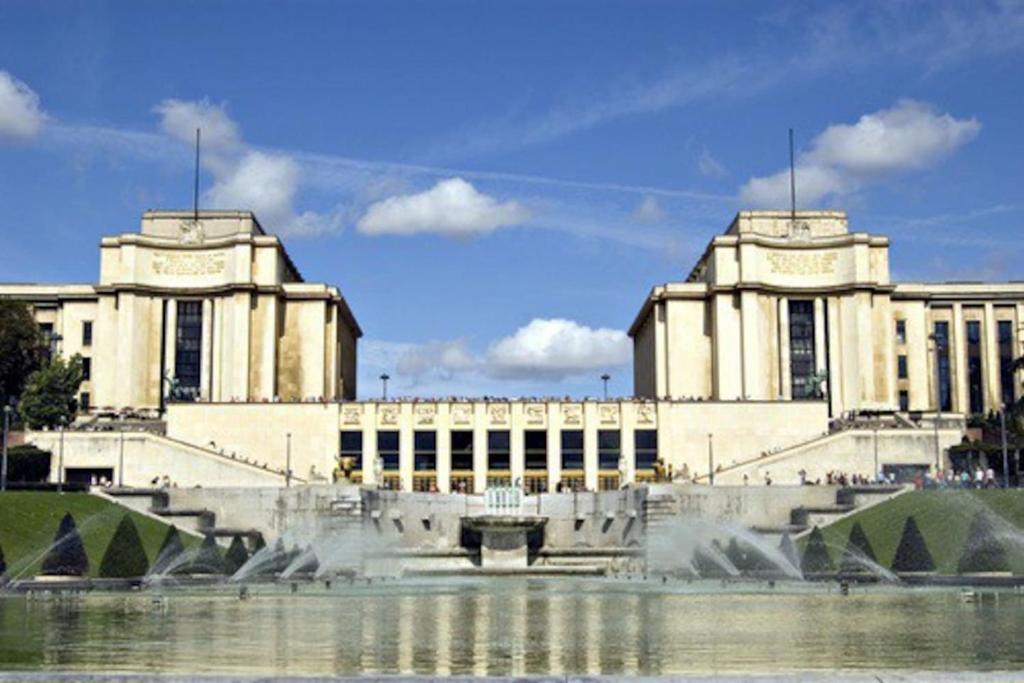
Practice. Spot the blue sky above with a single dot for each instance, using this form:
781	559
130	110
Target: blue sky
496	187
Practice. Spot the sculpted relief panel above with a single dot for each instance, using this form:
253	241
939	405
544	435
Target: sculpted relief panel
802	263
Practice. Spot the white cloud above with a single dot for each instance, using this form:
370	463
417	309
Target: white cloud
261	182
649	211
442	360
711	167
452	207
20	115
843	158
554	348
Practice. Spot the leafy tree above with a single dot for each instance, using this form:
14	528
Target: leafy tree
858	548
982	552
236	555
21	348
912	553
28	464
67	556
208	559
170	549
125	557
51	393
816	559
788	550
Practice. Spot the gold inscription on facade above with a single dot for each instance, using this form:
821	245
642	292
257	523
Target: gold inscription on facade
785	263
188	264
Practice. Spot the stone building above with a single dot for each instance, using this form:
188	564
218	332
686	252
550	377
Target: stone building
754	368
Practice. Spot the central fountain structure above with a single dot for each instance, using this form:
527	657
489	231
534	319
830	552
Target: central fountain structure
504	531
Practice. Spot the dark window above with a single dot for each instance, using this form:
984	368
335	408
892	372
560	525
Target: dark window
188	348
1005	335
352	448
83	402
572	449
901	331
609	447
86	369
536	446
645	442
87	333
941	337
901	367
904	401
462	450
499	455
974	379
424	451
46	332
387	450
801	349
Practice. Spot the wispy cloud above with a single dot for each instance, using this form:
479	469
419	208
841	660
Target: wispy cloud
21	116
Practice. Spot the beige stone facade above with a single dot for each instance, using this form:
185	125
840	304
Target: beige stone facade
255	330
865	343
781	327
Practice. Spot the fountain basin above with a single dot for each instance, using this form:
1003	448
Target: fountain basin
503	543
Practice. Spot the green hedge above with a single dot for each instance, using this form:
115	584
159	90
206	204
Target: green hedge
28	464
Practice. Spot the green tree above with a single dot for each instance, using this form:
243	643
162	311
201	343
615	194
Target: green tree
51	393
912	553
125	557
170	550
21	348
236	555
66	556
816	559
982	552
858	548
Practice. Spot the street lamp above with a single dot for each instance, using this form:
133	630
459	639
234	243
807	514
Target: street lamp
60	465
711	460
384	377
604	378
3	464
288	462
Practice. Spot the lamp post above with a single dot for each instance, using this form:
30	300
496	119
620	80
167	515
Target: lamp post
875	431
1006	459
3	463
604	378
711	459
120	463
384	377
288	461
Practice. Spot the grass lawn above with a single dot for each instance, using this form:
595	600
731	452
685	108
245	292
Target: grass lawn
29	520
943	517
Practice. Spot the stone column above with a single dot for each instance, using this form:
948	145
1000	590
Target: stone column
990	359
240	348
369	442
442	424
752	345
554	440
479	447
590	427
206	364
517	455
819	335
627	428
958	353
405	445
785	376
170	341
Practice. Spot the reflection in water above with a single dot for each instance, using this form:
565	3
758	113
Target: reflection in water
470	627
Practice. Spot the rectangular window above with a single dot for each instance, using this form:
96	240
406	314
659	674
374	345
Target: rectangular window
351	451
941	338
499	454
46	332
387	450
572	449
801	349
974	374
424	451
535	443
904	401
462	451
609	447
86	333
188	349
645	442
901	331
83	402
1005	336
86	369
901	367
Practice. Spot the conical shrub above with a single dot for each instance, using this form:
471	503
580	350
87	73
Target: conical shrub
912	553
125	557
236	555
816	559
982	552
788	550
858	549
259	544
170	550
67	556
208	559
